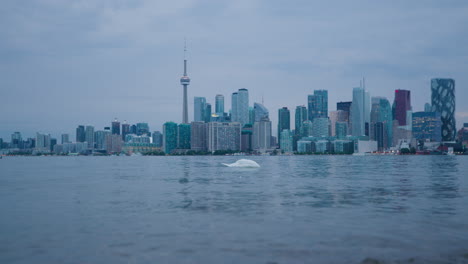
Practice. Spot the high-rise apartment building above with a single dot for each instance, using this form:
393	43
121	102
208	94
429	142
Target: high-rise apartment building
65	138
300	117
224	136
318	104
90	136
157	139
183	136
169	137
320	127
286	140
115	127
142	129
80	134
284	121
234	111
199	136
337	116
262	135
443	101
125	129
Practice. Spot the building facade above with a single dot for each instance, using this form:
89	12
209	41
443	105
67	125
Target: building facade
443	101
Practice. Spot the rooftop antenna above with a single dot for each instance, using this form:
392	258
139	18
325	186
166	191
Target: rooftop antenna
185	56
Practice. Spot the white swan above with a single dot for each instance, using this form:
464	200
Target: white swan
243	163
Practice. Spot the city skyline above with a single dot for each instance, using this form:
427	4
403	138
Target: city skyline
55	77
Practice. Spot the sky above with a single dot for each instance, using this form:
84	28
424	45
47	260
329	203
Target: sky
86	62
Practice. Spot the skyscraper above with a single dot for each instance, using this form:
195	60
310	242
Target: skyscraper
80	134
381	112
261	112
300	117
284	121
169	137
90	136
65	139
198	136
185	81
243	106
199	107
116	127
251	115
207	113
234	112
183	136
219	104
402	106
100	138
443	101
360	109
125	129
286	140
320	127
318	104
262	135
337	116
157	139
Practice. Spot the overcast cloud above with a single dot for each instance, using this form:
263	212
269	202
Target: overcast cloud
65	63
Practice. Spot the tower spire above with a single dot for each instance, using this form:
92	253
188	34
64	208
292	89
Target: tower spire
185	81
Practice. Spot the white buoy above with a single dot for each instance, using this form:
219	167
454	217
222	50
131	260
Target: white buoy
243	163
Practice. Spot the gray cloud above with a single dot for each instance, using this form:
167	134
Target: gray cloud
86	62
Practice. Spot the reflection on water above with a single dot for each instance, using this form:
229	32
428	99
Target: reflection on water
329	209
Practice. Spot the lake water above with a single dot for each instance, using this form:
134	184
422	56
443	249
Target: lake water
294	209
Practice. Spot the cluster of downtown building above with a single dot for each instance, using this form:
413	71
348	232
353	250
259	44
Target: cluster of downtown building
365	124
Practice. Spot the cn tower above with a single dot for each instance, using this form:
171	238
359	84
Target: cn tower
185	80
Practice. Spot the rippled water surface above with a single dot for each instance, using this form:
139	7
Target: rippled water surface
298	209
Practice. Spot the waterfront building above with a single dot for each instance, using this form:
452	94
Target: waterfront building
360	108
306	129
219	104
90	136
80	134
42	143
260	112
157	139
185	81
286	141
169	137
113	144
132	147
115	127
132	138
427	126
16	140
343	146
65	138
224	136
198	141
382	112
443	101
100	139
262	135
320	126
341	130
284	121
337	116
199	106
318	104
133	129
305	146
300	117
402	106
125	130
246	138
183	136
